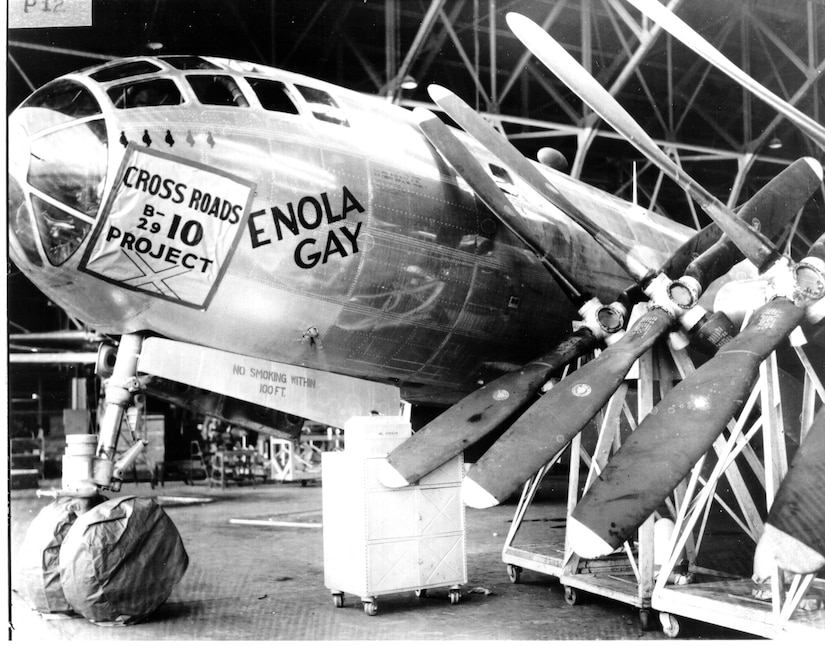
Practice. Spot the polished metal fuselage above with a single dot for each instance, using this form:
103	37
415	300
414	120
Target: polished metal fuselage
397	272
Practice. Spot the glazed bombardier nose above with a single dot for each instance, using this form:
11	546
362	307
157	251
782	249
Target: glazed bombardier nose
58	153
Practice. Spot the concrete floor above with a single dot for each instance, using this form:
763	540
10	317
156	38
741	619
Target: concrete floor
252	582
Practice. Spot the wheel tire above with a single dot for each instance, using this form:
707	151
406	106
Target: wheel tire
421	592
371	608
670	624
455	596
514	573
571	596
338	600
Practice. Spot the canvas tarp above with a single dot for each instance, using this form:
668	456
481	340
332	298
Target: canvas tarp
120	561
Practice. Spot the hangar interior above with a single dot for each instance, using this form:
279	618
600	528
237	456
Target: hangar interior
729	140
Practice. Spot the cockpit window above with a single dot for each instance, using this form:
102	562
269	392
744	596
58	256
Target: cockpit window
61	232
272	95
142	94
217	90
189	62
323	106
20	222
69	165
124	70
66	97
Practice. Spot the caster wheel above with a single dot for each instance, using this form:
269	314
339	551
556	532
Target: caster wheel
644	619
338	599
455	596
571	596
371	608
670	624
421	592
514	573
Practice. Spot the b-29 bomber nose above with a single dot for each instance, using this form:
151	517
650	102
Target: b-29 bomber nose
58	154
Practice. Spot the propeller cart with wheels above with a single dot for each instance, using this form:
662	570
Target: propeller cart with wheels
526	446
787	603
627	575
690	418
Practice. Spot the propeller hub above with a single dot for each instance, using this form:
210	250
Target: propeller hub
684	292
809	276
612	317
675	297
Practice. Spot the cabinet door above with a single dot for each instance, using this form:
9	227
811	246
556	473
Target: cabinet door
441	560
439	511
393	566
391	514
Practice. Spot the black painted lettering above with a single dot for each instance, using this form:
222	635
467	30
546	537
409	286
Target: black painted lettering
127	174
254	232
311	259
333	246
194	199
328	209
179	195
158	253
142	180
350	203
172	255
315	213
113	233
352	237
279	217
154	184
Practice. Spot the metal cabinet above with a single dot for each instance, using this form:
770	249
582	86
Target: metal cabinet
379	540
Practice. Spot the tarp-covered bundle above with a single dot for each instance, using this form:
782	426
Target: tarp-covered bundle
120	561
38	572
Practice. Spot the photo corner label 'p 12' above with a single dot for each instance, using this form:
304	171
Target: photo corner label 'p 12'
169	227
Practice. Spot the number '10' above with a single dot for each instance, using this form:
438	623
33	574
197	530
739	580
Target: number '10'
191	232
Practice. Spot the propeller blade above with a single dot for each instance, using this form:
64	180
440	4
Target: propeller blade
550	423
480	413
676	433
769	211
486	409
676	296
679	29
498	145
683	426
794	535
466	165
754	245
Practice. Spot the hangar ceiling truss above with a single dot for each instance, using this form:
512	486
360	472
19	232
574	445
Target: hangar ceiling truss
702	119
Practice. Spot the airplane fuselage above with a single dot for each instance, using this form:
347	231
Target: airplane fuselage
358	250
